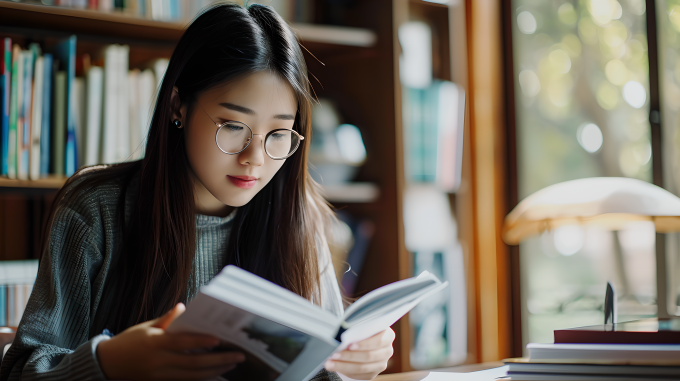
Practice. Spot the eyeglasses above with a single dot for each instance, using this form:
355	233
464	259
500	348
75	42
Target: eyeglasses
233	137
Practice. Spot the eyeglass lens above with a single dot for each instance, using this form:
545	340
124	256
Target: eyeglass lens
233	137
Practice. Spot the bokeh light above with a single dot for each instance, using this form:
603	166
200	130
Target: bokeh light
590	137
526	22
634	94
529	82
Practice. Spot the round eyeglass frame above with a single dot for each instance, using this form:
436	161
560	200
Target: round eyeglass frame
264	141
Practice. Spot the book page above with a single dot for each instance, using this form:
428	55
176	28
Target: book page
273	351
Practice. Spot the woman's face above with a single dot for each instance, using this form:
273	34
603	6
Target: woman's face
262	101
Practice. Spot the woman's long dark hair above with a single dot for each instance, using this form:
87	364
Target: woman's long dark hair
273	236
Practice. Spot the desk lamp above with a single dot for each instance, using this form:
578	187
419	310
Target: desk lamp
609	202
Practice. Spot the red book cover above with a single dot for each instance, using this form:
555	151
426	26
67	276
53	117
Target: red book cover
645	331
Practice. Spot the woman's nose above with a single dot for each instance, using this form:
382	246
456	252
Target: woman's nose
254	154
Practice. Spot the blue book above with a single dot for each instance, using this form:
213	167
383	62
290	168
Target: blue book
46	116
3	305
65	52
4	126
24	141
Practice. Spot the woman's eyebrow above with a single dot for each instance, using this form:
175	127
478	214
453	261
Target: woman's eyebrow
248	111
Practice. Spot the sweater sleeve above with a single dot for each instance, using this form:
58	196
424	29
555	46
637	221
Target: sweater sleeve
52	341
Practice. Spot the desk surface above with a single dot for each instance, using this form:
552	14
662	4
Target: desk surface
419	375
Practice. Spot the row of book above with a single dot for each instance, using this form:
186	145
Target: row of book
61	111
639	350
16	283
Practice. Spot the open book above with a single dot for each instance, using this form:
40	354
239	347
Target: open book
283	335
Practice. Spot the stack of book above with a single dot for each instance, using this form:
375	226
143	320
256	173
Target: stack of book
61	111
16	283
647	349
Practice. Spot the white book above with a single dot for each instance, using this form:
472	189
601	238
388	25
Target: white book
134	110
283	335
36	119
95	85
622	353
110	121
115	143
80	112
123	144
159	68
147	92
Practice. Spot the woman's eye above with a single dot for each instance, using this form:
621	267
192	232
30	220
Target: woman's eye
278	136
234	127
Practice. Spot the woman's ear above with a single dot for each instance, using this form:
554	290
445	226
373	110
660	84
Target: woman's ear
177	108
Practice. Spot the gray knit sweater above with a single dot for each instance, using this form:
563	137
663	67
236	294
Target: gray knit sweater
54	340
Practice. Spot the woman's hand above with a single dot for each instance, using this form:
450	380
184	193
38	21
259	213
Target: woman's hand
145	351
366	359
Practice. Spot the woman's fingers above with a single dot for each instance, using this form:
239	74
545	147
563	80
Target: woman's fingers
179	342
380	340
377	355
164	321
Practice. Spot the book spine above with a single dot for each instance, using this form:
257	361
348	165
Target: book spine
46	120
95	79
79	107
147	87
134	105
6	89
123	149
23	151
14	103
19	128
36	122
110	104
59	123
11	305
3	305
71	153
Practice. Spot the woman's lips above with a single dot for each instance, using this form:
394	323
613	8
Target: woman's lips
243	182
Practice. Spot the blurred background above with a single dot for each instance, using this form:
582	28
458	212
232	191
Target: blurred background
434	119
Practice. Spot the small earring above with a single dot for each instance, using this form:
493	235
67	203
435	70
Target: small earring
177	123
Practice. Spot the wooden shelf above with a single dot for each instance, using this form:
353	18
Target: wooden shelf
121	25
344	193
50	182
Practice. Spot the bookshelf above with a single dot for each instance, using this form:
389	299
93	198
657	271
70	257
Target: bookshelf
355	62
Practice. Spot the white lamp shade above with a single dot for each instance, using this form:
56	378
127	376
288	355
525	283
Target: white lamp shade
605	201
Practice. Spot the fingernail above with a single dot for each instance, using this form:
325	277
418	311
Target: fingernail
335	356
354	346
329	365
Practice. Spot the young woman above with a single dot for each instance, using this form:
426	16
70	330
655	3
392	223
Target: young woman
224	181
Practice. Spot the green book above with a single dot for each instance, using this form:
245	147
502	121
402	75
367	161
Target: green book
13	108
59	124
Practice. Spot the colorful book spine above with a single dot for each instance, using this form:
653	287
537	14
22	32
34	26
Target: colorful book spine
71	152
4	128
46	121
36	119
3	305
13	105
24	145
